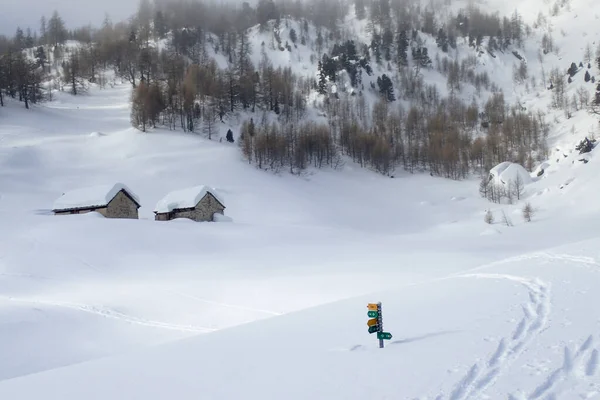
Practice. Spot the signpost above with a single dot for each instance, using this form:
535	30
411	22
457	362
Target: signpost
375	323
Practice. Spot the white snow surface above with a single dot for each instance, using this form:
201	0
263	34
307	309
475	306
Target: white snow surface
273	304
506	173
186	198
92	196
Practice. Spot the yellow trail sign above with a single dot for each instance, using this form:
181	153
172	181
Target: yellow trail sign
372	322
372	307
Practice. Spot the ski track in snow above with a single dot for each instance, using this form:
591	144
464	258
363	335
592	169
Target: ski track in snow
580	365
224	305
588	262
483	375
113	314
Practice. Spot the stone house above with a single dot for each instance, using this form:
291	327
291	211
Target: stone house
199	203
111	201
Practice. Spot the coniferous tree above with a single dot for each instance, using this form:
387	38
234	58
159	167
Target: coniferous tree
43	31
293	36
386	88
40	57
322	84
57	33
74	73
139	107
229	136
402	46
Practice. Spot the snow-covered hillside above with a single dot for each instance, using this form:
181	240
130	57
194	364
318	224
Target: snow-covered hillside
273	304
521	328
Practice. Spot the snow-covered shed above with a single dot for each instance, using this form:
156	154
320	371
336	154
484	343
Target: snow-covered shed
199	203
112	201
506	173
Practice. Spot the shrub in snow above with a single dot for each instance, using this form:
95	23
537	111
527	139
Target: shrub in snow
528	212
572	70
506	220
489	217
585	146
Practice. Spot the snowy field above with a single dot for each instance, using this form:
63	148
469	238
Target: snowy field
79	288
273	304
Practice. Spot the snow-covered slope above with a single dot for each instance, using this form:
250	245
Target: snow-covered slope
476	310
519	329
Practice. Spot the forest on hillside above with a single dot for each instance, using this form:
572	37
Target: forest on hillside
167	51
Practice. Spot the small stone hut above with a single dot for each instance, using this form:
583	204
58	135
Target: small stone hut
199	203
112	201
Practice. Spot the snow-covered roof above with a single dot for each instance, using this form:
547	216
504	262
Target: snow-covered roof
94	196
186	198
507	172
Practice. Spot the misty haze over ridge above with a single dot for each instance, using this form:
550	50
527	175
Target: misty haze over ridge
75	13
27	13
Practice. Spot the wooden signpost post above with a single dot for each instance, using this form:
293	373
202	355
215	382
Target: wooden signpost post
375	323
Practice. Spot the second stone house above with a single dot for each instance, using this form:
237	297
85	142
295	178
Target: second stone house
199	203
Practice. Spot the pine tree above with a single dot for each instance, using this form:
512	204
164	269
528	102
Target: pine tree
40	57
19	39
160	25
442	40
74	73
402	48
293	36
57	33
572	70
386	88
229	136
322	84
43	30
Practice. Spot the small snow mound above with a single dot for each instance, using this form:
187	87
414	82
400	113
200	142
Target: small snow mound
221	218
490	232
541	169
542	192
97	134
507	172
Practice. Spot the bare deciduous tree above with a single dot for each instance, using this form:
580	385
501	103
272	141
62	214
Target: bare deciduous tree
528	212
489	217
518	187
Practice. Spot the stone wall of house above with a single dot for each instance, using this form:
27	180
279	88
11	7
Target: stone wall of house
121	206
162	217
203	212
82	211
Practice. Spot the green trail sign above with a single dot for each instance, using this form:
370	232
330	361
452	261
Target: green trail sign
375	323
